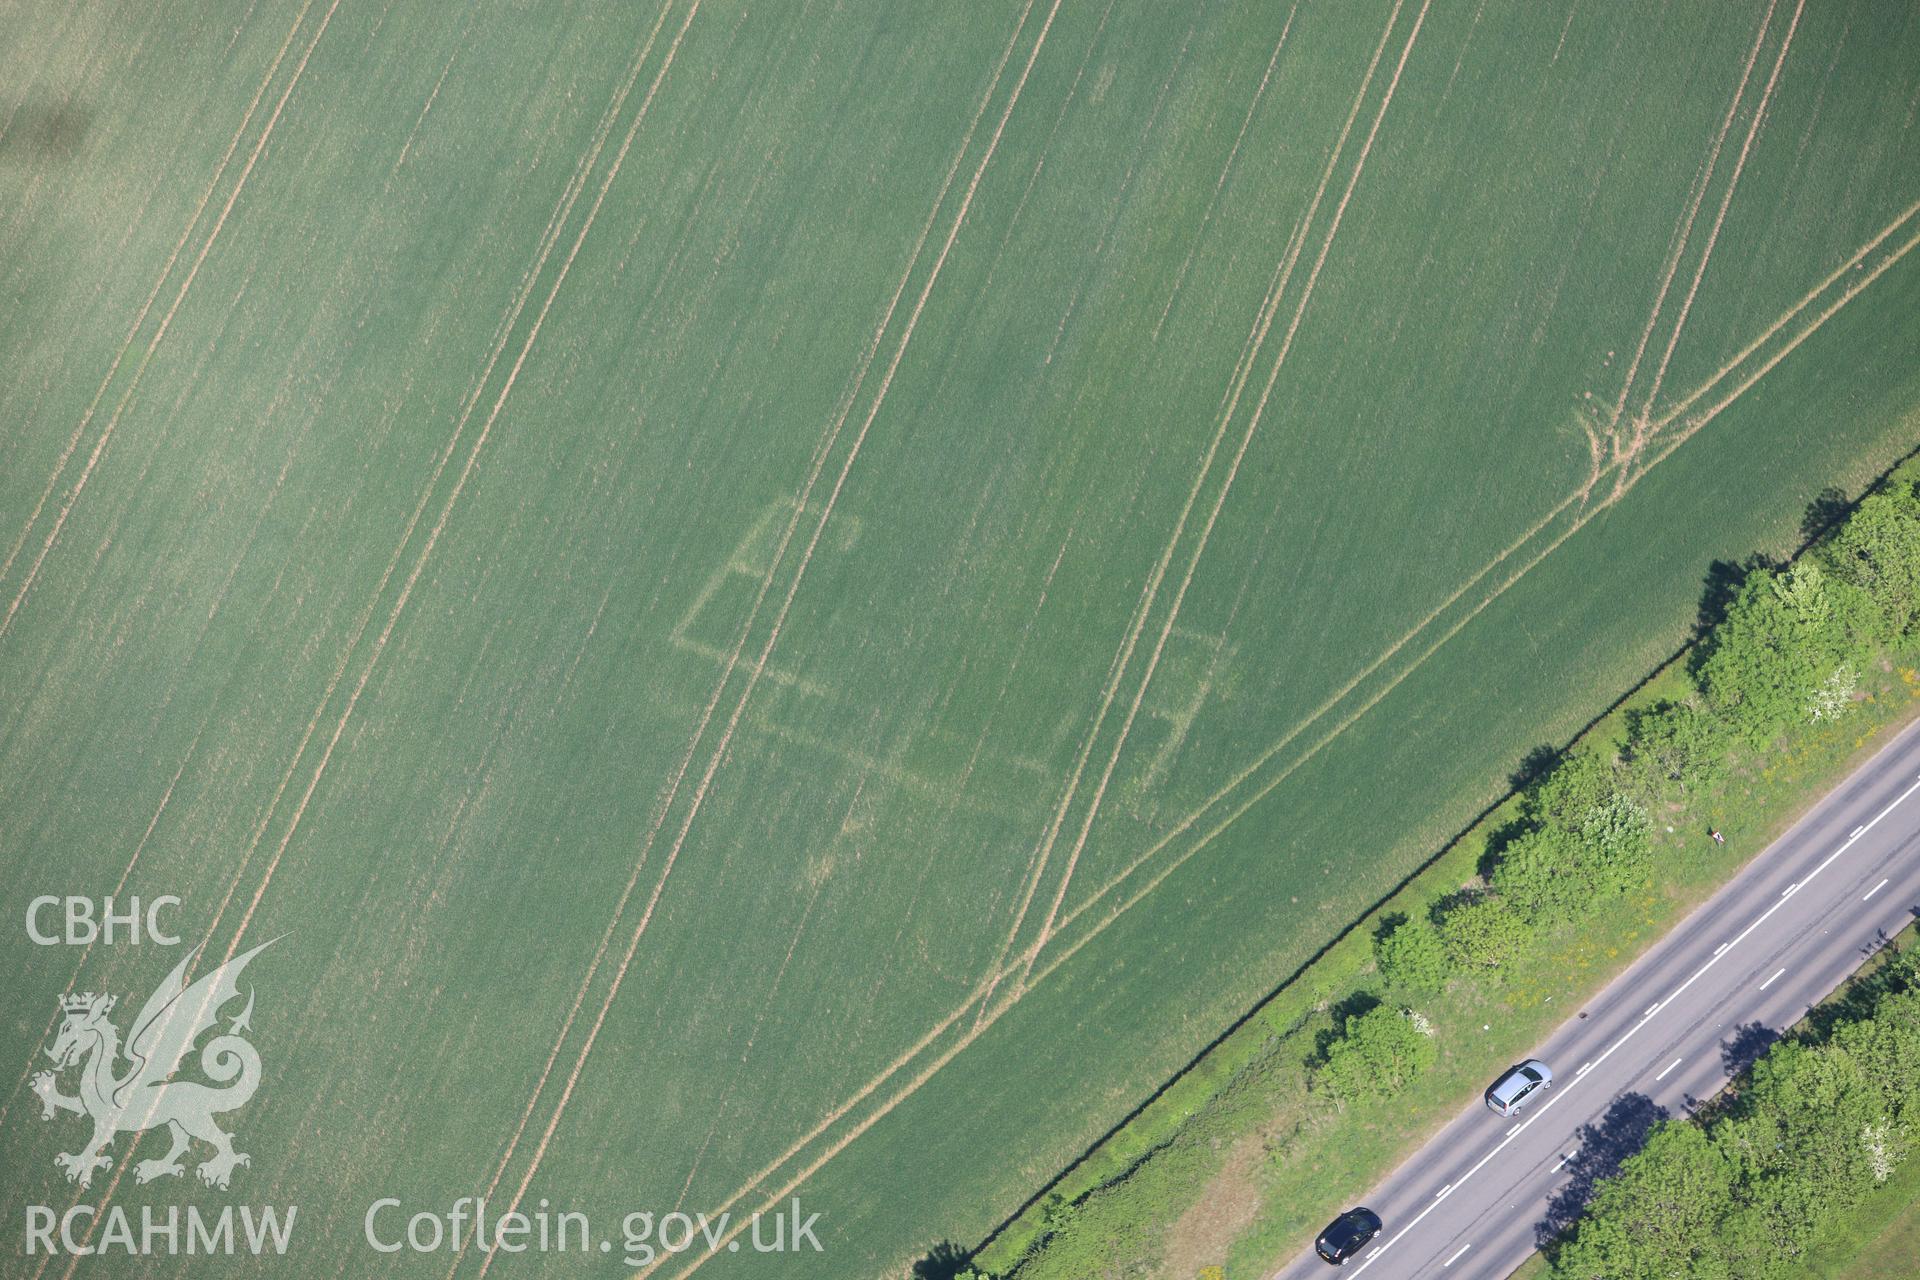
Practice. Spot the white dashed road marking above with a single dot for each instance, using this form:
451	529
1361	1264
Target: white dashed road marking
1769	981
1877	888
1456	1257
1670	1066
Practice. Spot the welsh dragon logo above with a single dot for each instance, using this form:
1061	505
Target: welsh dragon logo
142	1096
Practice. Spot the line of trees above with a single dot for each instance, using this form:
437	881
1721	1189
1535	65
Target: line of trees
1821	1120
1786	651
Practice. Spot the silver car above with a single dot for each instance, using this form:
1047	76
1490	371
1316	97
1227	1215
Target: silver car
1519	1086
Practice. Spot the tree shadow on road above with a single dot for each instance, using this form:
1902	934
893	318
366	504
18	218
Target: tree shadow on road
1899	970
1621	1132
1746	1046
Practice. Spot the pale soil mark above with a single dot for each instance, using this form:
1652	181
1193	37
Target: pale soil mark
992	1015
806	556
1233	470
1263	320
1312	750
1241	777
1030	877
821	454
983	992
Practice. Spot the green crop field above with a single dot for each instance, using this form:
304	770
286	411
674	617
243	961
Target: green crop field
803	600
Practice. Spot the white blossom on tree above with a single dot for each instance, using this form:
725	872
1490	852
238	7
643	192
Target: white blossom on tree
1883	1152
1834	695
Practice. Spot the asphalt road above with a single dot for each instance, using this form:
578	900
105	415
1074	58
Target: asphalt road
1664	1036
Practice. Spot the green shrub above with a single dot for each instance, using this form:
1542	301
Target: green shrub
1768	667
1781	639
1481	929
1537	876
1877	554
1673	749
1411	957
1562	798
1616	846
1376	1055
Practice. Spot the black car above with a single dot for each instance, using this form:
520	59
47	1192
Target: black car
1347	1235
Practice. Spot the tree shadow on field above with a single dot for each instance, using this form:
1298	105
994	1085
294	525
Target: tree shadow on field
1721	586
944	1261
1747	1045
1828	508
1603	1147
37	132
1535	766
1724	579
